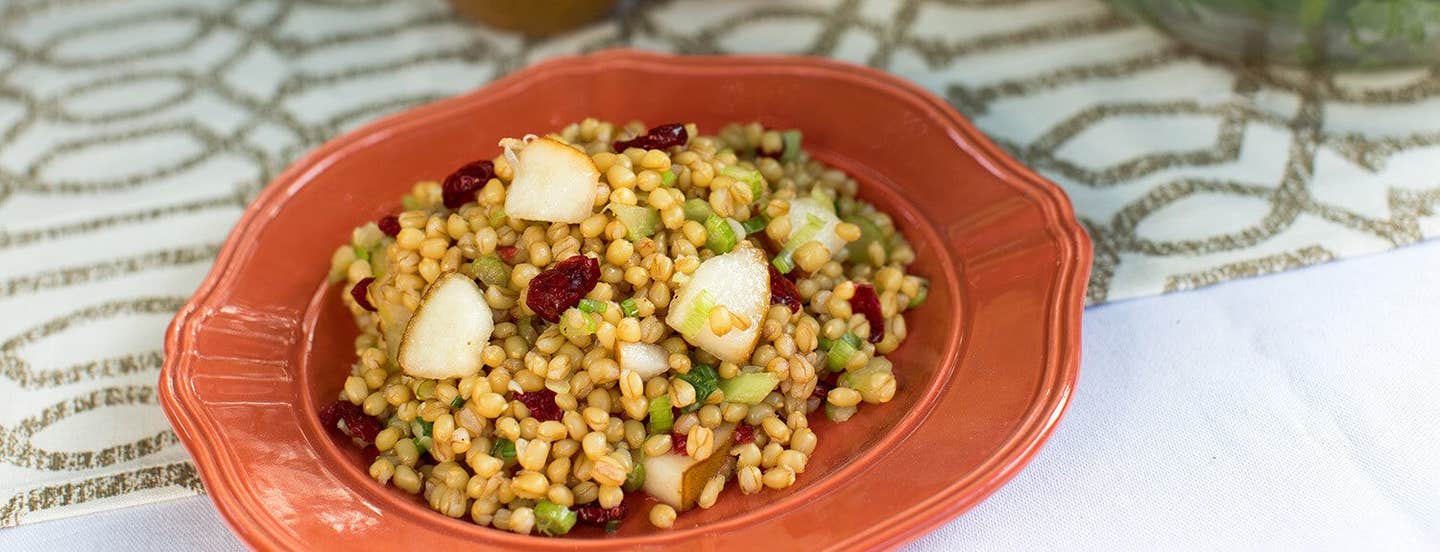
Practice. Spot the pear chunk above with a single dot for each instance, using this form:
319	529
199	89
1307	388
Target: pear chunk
677	479
647	359
449	330
803	210
554	182
740	282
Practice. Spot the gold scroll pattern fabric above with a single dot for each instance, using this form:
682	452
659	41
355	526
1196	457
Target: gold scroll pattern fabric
134	132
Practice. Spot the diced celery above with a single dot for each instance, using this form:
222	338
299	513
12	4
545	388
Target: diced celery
697	209
754	224
839	413
552	519
867	379
705	381
869	233
751	177
640	222
749	387
721	237
841	350
491	270
785	260
791	140
504	449
668	177
636	479
919	296
591	305
661	418
699	314
629	307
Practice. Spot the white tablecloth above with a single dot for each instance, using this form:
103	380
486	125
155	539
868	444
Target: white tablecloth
1292	412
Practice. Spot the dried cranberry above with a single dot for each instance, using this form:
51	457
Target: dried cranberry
782	290
370	453
744	433
867	303
660	137
677	443
507	253
562	287
390	225
460	186
541	404
357	424
593	514
358	292
824	385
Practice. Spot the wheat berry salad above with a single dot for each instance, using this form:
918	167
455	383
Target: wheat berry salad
614	310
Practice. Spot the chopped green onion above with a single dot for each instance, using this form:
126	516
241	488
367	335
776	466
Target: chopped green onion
749	387
748	176
785	260
612	526
491	270
629	307
824	344
504	449
361	253
668	177
421	428
640	222
721	236
552	519
791	139
411	203
661	418
705	381
458	402
754	224
697	209
636	479
699	314
576	322
867	379
841	351
919	295
424	443
591	305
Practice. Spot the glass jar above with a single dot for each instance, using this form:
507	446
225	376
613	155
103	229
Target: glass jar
1313	33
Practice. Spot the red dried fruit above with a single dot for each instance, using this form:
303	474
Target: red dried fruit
744	433
867	303
358	292
460	186
507	253
390	225
678	442
824	385
541	404
593	514
562	287
782	290
660	137
357	424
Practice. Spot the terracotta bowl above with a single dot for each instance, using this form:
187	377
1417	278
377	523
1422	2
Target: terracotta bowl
990	363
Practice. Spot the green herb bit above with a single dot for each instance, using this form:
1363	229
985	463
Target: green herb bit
629	307
504	449
591	305
705	381
754	224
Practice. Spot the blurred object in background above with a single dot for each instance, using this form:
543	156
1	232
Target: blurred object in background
1315	33
534	17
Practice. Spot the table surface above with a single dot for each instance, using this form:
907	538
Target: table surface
1289	412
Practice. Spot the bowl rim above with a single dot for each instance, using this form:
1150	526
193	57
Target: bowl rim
1055	387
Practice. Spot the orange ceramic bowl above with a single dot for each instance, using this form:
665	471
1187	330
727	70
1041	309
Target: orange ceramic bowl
987	370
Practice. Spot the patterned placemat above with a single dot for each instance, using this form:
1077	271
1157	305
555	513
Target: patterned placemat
133	133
